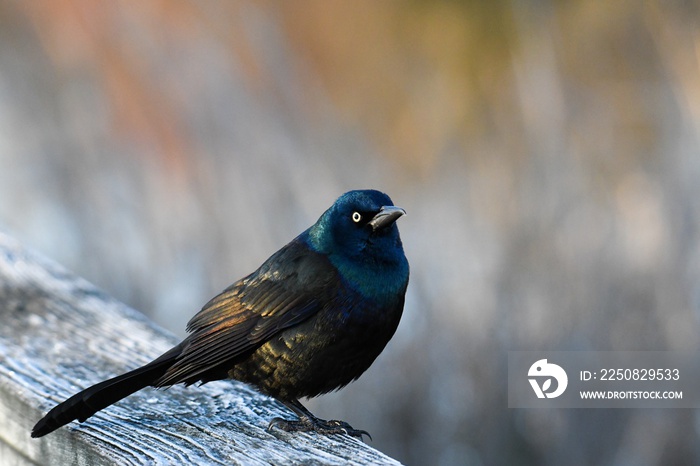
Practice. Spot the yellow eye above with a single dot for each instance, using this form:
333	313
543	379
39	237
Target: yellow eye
356	217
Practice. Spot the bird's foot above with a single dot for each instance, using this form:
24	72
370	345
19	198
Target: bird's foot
307	424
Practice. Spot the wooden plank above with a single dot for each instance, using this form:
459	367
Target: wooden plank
59	334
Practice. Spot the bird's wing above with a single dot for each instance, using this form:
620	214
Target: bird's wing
286	290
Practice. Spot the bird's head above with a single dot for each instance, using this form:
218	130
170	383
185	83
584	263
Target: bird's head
360	227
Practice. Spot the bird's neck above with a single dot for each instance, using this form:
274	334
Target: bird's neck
380	276
381	282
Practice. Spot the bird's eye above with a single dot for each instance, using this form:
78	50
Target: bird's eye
356	217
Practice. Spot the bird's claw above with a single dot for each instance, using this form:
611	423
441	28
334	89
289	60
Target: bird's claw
305	424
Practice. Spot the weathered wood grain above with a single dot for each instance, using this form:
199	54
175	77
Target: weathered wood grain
59	334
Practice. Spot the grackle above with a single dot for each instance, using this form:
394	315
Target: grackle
310	320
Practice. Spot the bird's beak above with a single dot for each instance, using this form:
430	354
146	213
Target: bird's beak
386	216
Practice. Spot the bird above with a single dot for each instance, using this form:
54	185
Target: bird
310	320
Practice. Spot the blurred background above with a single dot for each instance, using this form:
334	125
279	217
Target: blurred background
547	153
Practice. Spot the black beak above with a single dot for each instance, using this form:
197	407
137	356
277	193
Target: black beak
386	216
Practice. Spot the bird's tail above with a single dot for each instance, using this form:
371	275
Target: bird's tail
86	403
